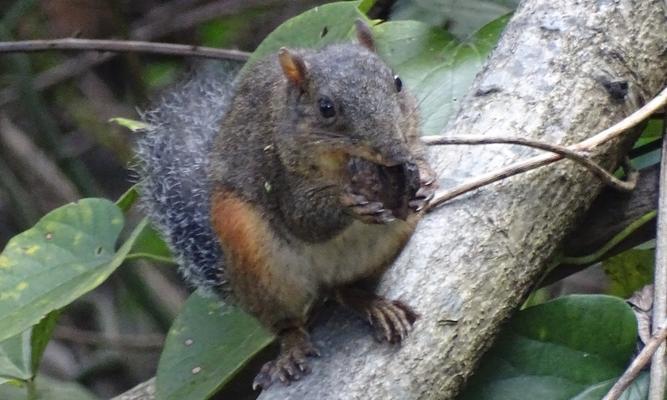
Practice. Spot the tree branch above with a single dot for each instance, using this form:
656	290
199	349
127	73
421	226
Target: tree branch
659	363
587	145
601	173
637	364
122	46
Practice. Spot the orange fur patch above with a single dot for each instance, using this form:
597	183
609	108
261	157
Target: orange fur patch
249	245
242	234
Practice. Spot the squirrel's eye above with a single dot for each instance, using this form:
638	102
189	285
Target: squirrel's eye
398	82
327	108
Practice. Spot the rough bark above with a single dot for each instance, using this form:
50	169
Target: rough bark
551	78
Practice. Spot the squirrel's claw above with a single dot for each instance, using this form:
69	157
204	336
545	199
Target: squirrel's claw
291	365
369	212
428	186
423	196
392	320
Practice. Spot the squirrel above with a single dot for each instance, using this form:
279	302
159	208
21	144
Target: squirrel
301	180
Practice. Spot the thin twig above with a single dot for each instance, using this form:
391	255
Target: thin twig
597	170
587	145
123	46
147	29
637	364
146	342
659	364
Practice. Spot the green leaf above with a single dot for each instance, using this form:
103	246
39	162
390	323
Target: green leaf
149	245
652	132
131	124
69	252
127	199
15	357
564	349
647	147
629	271
423	57
20	355
638	389
41	334
305	30
207	345
47	389
437	68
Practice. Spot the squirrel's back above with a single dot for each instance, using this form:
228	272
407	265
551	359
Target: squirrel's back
172	160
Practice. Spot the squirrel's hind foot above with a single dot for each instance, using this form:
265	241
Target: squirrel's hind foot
291	364
391	320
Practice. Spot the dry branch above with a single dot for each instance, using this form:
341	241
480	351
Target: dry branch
565	152
637	364
122	46
588	145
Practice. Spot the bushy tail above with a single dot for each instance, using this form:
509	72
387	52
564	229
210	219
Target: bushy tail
172	163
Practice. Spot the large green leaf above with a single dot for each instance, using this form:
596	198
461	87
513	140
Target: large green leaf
315	28
573	347
436	67
46	389
67	253
207	345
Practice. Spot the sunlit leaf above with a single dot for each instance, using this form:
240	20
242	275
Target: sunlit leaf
131	124
326	24
67	253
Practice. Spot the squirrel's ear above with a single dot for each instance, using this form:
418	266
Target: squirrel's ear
364	35
293	66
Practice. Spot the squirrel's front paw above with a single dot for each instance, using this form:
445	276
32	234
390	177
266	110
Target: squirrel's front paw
427	186
370	212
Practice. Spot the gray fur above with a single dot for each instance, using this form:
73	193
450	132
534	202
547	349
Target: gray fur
172	162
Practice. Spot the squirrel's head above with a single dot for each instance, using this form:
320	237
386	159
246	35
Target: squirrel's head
344	101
